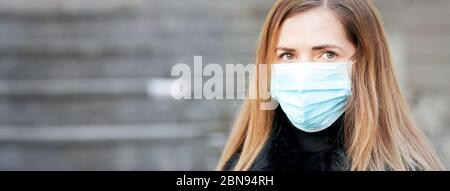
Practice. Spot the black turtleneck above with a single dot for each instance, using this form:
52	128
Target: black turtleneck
291	149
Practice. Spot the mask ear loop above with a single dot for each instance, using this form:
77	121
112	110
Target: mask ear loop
350	74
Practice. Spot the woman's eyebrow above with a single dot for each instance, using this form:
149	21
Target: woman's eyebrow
285	49
327	46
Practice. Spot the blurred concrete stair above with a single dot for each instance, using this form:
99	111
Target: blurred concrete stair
77	82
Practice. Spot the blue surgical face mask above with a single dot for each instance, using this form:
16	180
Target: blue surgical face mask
313	95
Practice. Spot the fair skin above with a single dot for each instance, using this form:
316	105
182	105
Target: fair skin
314	36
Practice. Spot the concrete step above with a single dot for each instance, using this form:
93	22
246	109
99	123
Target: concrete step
93	102
433	76
412	12
140	27
84	68
133	46
434	47
79	87
101	67
75	10
130	147
68	10
112	111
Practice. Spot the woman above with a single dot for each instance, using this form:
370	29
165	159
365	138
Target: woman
340	107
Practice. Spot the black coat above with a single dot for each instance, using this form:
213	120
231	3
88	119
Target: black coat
290	149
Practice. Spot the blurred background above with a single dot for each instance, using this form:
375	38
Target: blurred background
83	83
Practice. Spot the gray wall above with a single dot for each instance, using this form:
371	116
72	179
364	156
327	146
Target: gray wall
82	82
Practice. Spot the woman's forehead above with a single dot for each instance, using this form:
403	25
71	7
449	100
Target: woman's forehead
316	26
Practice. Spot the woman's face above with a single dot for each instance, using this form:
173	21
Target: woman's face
314	36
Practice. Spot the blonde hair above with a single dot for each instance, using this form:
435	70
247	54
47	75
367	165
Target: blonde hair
379	133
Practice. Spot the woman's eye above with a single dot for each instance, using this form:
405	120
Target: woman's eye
329	55
287	57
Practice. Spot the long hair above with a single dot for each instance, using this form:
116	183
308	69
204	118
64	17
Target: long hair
379	133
